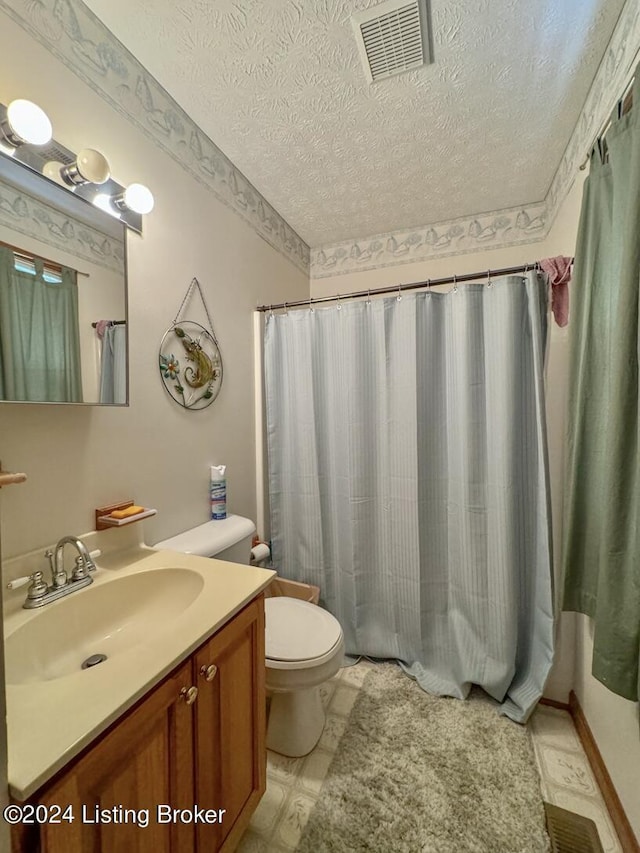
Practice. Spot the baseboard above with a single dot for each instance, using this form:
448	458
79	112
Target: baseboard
621	824
553	703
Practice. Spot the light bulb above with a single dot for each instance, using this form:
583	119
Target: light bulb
138	198
26	122
52	171
90	167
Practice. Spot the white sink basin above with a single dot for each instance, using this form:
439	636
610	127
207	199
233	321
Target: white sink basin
104	619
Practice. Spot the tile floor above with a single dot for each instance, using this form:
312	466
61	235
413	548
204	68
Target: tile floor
293	784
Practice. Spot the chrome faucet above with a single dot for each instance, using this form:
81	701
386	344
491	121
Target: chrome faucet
84	563
39	594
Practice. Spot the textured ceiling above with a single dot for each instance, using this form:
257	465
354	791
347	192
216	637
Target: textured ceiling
278	86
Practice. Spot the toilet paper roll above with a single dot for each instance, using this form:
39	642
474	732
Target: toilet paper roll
260	553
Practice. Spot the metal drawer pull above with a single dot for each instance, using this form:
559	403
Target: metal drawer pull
209	672
189	694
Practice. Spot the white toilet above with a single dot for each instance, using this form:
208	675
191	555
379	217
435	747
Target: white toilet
304	644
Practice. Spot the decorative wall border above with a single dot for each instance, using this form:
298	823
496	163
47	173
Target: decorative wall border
455	237
612	74
75	36
25	214
70	31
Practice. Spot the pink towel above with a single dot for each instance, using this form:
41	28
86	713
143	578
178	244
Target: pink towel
101	327
559	271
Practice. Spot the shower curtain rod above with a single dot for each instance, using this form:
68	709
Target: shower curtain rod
113	323
398	288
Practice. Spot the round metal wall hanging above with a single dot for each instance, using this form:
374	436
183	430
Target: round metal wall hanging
190	360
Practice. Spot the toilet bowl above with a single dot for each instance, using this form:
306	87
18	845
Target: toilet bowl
304	648
304	644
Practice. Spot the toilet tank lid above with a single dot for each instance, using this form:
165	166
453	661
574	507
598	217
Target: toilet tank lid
210	538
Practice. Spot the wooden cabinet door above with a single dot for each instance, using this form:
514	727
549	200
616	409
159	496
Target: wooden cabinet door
146	760
230	727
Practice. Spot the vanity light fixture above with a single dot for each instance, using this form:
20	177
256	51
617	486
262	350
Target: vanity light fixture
136	197
90	167
25	136
25	123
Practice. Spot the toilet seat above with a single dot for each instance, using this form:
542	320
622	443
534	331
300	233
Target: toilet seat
299	634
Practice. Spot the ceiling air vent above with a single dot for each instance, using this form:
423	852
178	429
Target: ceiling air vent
392	37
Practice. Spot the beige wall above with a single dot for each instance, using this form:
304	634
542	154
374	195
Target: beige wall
154	451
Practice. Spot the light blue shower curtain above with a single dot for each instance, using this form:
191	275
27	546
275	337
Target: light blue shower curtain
408	479
113	365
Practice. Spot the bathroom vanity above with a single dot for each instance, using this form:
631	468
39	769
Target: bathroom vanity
155	749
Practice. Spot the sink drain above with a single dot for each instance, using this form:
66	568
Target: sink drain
93	660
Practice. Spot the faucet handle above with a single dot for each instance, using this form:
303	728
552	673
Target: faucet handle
84	565
81	570
37	589
16	583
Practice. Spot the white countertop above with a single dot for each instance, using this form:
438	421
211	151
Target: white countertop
49	722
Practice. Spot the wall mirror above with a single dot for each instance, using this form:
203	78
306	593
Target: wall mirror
63	294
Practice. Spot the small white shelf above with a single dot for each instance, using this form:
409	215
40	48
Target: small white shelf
109	521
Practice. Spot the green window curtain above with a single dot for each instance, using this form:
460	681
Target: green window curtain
601	556
39	335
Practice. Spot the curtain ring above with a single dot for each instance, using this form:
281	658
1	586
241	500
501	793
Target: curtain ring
339	305
489	282
399	296
429	284
310	306
455	283
524	273
271	310
368	296
286	310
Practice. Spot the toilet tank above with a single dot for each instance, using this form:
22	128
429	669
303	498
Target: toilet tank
225	539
